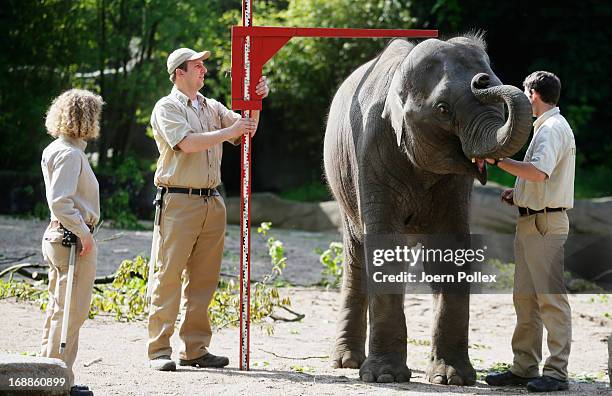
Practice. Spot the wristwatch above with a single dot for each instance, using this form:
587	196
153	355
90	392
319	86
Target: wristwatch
497	161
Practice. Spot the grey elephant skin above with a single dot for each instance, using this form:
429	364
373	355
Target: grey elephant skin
401	135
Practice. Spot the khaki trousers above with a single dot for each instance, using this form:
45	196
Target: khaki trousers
540	298
57	256
191	236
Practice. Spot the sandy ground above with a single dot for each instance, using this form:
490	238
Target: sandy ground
294	359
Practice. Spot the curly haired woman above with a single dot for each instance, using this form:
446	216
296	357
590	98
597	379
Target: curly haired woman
74	203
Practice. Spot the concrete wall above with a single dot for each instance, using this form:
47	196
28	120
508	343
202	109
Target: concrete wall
488	213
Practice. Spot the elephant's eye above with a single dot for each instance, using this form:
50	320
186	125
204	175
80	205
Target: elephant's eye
442	108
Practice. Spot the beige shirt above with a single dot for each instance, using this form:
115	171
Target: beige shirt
553	151
173	118
71	186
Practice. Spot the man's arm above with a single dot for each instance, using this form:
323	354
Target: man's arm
196	142
524	170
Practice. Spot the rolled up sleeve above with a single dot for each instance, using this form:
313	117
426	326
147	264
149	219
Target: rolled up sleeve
171	124
63	187
548	146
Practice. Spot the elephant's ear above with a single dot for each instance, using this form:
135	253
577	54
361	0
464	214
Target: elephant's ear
394	108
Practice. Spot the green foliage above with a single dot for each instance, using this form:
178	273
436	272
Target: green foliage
505	277
415	342
589	377
601	298
125	297
497	367
310	192
578	285
332	259
24	291
118	48
126	179
265	296
302	369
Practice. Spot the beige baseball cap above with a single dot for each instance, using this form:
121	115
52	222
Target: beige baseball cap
177	57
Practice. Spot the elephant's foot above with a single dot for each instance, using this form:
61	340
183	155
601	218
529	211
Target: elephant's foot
387	367
347	356
440	372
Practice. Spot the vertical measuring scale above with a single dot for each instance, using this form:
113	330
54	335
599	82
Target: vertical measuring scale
245	204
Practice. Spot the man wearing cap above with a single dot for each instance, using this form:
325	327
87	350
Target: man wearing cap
543	192
189	130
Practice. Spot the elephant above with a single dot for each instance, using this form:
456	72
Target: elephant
406	136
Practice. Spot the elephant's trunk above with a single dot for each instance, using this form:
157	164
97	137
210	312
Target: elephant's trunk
501	140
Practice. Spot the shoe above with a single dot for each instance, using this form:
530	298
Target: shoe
507	378
80	390
208	360
162	363
547	384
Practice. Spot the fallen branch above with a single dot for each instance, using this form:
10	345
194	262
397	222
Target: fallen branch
97	360
295	358
10	260
112	237
298	316
21	269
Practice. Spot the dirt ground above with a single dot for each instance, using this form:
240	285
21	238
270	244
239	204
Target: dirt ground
294	360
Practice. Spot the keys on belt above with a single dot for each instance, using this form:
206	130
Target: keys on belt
529	212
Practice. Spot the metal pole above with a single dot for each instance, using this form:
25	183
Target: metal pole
245	214
68	299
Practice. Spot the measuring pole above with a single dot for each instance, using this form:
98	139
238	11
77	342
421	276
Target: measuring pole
245	204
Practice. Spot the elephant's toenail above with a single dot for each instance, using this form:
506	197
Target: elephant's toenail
368	377
385	378
455	380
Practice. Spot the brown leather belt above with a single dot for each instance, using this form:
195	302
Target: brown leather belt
529	212
57	224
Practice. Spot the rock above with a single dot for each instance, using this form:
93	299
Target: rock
306	216
17	368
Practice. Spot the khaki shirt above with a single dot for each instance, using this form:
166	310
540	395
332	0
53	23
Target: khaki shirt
71	186
553	151
173	118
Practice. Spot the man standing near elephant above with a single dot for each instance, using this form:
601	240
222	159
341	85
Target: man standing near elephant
189	130
543	192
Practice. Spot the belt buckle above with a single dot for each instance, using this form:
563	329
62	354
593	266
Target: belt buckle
200	191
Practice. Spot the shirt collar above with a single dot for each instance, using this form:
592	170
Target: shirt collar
543	117
76	142
184	99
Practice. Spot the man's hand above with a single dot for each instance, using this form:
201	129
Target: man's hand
242	126
87	243
507	196
262	87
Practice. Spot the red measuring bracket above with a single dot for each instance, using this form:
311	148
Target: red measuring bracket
268	40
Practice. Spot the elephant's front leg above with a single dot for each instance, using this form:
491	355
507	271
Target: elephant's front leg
386	361
450	363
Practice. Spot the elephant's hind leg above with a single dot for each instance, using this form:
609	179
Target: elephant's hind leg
349	347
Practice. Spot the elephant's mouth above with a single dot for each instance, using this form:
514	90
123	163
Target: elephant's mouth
479	167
